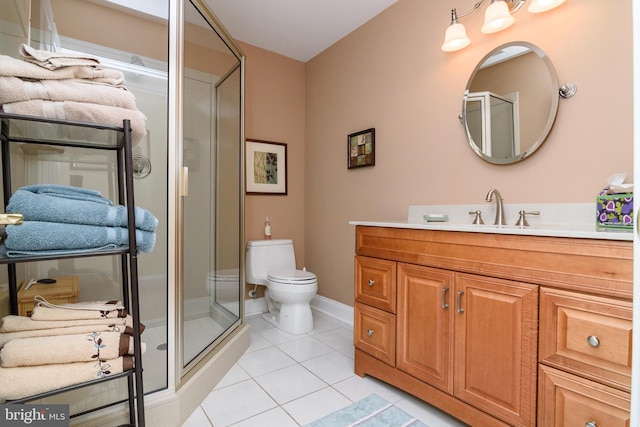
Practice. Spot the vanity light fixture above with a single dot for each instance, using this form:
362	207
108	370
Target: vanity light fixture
497	17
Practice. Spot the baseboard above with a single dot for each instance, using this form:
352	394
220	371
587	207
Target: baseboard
254	306
335	309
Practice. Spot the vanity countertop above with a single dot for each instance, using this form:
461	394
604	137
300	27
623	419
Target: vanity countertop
575	220
553	230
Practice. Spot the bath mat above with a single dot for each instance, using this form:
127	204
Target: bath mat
372	411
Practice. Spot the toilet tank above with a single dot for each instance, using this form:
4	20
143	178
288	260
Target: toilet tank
268	255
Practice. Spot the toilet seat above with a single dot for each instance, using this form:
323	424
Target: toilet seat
292	277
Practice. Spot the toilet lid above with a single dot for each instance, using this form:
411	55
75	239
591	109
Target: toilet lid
294	277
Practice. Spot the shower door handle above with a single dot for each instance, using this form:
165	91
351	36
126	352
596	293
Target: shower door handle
184	182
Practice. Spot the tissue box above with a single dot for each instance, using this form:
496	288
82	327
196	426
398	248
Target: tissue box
615	210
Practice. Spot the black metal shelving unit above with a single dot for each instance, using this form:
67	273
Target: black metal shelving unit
21	129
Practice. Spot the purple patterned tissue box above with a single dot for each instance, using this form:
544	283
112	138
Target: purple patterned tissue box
615	210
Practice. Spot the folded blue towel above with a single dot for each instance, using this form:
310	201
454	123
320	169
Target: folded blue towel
68	192
48	238
48	208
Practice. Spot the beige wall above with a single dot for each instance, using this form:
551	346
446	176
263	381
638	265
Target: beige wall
275	111
391	74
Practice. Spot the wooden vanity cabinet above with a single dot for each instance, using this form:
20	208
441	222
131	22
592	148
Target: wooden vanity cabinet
466	312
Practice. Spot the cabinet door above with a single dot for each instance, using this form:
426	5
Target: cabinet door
375	282
425	324
496	330
567	400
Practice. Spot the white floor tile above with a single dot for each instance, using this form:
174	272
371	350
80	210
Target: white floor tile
336	338
236	402
305	348
331	367
277	336
316	405
288	380
257	323
264	361
257	342
357	388
197	419
273	417
290	383
235	375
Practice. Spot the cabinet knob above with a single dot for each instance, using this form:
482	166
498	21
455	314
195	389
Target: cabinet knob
594	342
370	332
371	282
591	424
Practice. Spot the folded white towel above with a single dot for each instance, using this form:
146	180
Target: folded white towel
18	68
83	329
15	89
12	323
44	310
16	383
55	60
82	112
66	349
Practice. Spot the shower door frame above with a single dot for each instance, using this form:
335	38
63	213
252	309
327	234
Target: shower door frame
178	188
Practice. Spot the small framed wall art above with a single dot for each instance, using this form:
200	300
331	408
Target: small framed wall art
361	149
266	167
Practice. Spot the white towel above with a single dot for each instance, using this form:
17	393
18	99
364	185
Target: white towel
12	323
55	60
15	89
82	112
44	310
66	349
18	68
16	383
84	329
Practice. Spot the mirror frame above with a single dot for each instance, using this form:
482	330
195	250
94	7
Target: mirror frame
554	93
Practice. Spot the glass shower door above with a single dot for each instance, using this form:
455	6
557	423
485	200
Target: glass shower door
211	291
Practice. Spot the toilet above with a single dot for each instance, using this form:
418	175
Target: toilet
272	263
222	286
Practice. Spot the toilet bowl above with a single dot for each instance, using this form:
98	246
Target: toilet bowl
289	291
222	286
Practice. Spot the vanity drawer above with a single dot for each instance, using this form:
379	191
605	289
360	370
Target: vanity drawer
587	335
375	282
568	400
375	332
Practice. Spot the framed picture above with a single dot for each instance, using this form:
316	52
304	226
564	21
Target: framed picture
266	167
361	149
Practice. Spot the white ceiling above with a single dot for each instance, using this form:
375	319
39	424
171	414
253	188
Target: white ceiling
299	29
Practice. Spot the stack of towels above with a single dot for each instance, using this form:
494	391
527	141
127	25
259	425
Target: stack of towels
68	87
61	219
64	345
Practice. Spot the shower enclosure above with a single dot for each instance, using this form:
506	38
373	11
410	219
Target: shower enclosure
188	173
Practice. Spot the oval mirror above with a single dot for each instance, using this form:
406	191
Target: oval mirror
510	103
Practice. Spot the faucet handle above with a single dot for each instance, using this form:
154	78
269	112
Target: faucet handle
522	221
478	217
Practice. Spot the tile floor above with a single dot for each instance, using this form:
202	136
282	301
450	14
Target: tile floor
290	380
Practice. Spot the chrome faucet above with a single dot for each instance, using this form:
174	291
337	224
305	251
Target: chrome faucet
499	207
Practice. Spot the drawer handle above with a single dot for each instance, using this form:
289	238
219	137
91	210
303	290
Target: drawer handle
370	332
460	309
591	424
594	342
371	282
444	298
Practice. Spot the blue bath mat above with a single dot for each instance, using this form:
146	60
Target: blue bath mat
372	411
